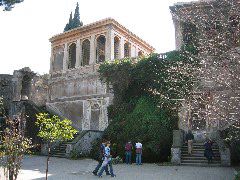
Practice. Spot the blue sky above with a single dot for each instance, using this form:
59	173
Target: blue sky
25	31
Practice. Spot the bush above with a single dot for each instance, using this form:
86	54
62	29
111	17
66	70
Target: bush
237	177
117	160
151	125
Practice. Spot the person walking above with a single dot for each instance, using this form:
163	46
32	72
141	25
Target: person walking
101	159
107	161
208	152
189	140
138	153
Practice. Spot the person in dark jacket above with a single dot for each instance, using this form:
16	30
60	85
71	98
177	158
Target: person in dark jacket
208	152
101	159
128	152
189	139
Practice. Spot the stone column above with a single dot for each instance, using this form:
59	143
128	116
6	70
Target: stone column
78	54
103	116
17	85
65	57
109	48
122	41
178	33
92	50
51	61
133	50
86	115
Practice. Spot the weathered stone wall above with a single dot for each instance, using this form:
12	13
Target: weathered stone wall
6	89
39	90
80	96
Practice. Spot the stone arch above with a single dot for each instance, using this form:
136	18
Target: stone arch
116	47
72	56
100	48
127	49
140	53
85	52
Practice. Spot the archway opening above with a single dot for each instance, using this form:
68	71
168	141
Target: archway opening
85	52
101	43
116	47
72	56
127	49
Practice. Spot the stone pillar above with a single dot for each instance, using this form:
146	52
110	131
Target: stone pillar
133	50
78	54
92	50
86	115
122	41
109	54
65	57
103	116
17	85
178	33
51	61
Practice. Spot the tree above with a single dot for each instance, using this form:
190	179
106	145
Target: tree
14	143
76	18
9	4
74	22
53	129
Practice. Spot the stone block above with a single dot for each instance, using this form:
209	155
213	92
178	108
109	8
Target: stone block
176	156
225	157
178	138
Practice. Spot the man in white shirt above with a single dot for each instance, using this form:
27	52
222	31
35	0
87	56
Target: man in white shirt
138	153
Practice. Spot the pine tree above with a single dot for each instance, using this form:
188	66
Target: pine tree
69	25
76	18
75	21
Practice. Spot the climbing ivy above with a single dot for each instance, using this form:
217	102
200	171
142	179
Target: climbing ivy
147	94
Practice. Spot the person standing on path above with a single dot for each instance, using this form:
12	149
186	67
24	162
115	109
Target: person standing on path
189	139
138	153
128	152
107	161
101	159
208	152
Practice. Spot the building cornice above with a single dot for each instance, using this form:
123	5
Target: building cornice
96	25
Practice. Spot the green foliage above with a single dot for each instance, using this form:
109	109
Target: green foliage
9	4
74	22
152	125
237	177
53	129
147	94
14	146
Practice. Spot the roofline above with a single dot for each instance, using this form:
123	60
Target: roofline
99	23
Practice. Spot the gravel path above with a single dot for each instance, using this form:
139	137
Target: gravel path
64	169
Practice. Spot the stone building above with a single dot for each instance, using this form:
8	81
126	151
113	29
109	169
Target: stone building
193	25
75	90
213	27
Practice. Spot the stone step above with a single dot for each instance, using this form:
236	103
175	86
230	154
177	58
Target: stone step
198	147
202	164
59	156
198	161
198	155
197	158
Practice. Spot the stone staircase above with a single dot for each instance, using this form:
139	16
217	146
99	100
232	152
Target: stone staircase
60	150
197	158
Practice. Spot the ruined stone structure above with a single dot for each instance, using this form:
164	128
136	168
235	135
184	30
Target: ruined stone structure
215	103
75	90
